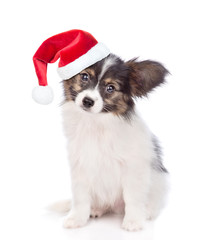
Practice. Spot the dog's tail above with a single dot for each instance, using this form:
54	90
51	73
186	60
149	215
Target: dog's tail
63	206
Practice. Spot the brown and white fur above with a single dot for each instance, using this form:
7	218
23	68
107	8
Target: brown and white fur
115	160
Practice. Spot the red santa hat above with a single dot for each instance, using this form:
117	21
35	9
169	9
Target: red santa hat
75	49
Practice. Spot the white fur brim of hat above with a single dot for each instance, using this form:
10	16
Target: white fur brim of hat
94	55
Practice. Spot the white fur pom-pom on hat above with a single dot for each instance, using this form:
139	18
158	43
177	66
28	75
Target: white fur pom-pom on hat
42	94
75	49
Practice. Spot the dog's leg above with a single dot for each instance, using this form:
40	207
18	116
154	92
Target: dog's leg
157	196
80	212
136	181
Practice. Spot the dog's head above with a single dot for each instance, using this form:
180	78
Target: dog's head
110	85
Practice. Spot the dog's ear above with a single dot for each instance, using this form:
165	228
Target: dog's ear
145	75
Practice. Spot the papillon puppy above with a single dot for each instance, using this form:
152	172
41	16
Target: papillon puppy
115	160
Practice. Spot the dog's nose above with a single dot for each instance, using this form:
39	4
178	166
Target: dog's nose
88	102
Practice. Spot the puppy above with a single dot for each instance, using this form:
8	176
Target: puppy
115	160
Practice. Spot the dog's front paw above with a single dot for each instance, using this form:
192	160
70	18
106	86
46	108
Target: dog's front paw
74	222
132	225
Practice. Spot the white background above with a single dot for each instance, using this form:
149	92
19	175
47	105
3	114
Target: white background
33	160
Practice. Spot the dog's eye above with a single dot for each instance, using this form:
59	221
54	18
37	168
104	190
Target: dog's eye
110	88
84	77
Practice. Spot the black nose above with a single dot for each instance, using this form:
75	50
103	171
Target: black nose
87	102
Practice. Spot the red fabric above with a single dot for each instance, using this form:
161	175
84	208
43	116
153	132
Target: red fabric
67	46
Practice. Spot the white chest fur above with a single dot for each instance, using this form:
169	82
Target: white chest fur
101	147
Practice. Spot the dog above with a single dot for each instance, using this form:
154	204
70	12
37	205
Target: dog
115	161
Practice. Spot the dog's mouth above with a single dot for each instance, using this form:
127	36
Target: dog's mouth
85	109
90	110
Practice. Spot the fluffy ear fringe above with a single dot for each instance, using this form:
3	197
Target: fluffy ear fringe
145	76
